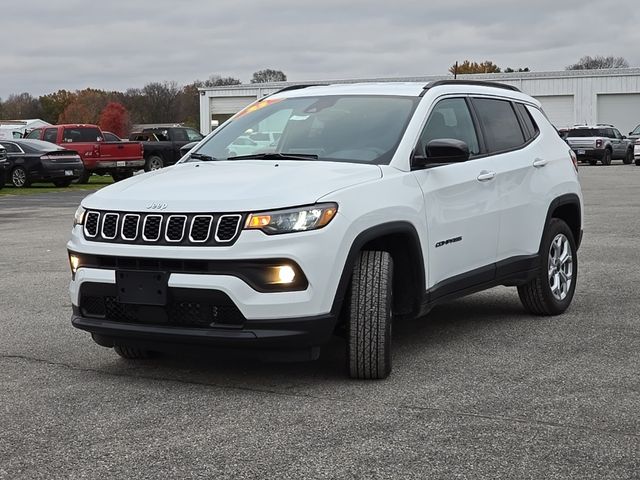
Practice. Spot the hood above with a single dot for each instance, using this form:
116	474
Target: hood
232	186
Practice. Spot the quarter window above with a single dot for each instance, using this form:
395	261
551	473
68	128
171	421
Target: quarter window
451	118
500	124
530	127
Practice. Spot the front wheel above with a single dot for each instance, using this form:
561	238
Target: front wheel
118	176
83	179
370	316
131	353
628	158
551	291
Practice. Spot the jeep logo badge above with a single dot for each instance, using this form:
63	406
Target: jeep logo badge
157	206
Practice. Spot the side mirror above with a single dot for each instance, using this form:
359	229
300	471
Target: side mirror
624	137
442	151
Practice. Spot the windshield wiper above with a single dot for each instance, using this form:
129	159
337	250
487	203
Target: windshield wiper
276	156
203	157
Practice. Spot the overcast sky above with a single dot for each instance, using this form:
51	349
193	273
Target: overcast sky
117	44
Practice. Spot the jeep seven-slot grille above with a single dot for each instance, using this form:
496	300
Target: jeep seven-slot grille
163	229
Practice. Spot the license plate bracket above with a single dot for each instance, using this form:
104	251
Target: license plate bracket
121	163
581	152
68	173
142	288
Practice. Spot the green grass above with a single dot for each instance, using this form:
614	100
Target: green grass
95	182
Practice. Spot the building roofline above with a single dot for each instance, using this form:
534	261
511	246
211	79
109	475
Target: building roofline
514	76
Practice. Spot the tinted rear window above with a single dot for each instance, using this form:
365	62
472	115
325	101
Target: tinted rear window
85	134
500	124
587	132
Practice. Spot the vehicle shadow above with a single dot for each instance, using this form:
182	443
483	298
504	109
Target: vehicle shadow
446	324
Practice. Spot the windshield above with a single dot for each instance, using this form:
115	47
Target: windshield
360	129
636	131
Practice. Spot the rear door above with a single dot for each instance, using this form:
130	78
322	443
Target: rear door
461	203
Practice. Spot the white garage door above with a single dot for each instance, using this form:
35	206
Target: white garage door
229	105
559	109
620	110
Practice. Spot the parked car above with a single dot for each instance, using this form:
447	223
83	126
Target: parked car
4	166
162	145
30	161
186	148
381	201
599	142
636	152
111	137
118	159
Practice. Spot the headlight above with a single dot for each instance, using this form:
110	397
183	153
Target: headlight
78	217
298	219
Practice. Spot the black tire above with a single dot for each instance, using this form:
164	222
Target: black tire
606	157
592	161
118	176
628	158
83	179
131	353
537	296
154	162
637	162
370	316
62	183
20	178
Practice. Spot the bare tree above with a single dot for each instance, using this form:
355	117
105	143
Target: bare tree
268	75
593	63
21	106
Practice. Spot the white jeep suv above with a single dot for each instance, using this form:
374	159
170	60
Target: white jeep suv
378	202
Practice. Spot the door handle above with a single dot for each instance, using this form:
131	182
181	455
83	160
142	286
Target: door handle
486	176
540	162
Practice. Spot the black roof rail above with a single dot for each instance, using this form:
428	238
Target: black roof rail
296	87
479	83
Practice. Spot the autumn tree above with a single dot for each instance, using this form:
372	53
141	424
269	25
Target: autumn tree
598	62
55	103
468	67
85	107
268	75
21	106
115	118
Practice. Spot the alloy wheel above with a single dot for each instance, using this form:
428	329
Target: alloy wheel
560	267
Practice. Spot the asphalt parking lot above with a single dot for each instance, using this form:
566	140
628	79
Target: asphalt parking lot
480	389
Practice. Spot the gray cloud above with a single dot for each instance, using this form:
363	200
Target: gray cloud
120	44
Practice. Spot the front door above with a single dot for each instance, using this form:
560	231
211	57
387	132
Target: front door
461	204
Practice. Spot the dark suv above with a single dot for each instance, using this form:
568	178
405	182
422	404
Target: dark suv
600	142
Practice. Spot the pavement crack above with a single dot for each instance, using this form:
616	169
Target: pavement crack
398	406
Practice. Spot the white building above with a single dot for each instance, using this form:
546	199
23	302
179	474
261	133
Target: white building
568	97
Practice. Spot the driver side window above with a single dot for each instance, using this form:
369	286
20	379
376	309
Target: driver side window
451	118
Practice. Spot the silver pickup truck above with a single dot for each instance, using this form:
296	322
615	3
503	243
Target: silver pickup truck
600	142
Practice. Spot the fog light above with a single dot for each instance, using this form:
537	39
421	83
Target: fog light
285	274
74	261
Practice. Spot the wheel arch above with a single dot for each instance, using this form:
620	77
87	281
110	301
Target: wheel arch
567	208
402	241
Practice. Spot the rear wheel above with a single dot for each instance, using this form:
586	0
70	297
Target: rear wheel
19	178
370	316
62	183
154	162
84	177
131	353
628	158
592	161
117	176
606	158
551	292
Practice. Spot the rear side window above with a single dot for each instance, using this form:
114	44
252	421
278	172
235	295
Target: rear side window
531	130
500	124
50	135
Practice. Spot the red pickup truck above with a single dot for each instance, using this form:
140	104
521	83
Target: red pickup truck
118	159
